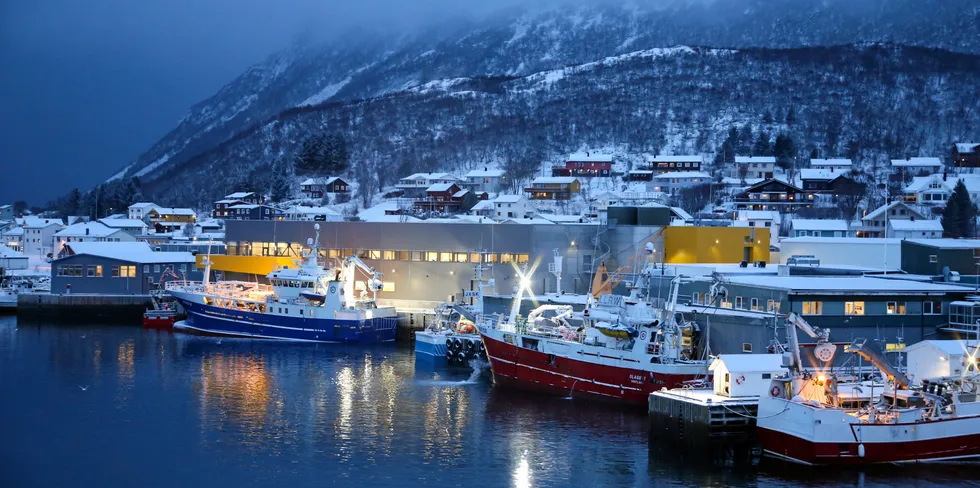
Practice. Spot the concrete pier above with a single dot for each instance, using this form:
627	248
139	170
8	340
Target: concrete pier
700	420
83	308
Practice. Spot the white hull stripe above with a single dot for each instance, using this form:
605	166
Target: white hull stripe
184	326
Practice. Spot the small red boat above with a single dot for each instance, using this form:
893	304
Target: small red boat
160	319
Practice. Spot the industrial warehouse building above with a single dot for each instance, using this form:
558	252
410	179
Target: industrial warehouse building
117	268
432	261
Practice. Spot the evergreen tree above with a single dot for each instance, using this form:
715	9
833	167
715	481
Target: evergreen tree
959	217
745	139
73	202
762	146
767	117
279	182
785	151
791	115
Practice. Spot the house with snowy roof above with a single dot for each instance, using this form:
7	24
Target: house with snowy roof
762	167
39	234
667	163
553	188
818	228
917	166
415	185
512	207
486	179
837	165
585	165
317	187
915	229
936	189
141	210
447	198
875	222
966	155
674	182
89	232
117	268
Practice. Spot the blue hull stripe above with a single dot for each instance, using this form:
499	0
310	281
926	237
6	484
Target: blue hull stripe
213	320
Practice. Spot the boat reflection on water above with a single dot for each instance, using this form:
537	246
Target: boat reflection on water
236	395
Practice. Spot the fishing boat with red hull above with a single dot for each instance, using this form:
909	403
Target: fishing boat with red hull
625	350
803	419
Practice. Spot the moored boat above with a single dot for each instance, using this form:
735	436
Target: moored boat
624	351
305	303
803	418
452	337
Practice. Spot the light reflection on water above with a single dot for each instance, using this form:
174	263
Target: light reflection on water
165	410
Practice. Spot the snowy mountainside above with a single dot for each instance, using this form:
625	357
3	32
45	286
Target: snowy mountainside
521	42
870	102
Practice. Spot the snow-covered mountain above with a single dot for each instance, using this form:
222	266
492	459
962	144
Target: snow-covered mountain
539	83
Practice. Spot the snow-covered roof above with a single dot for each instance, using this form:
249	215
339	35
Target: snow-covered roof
244	206
932	162
377	214
666	158
304	210
508	198
123	223
817	174
560	218
758	215
830	162
143	205
681	213
931	225
590	157
948	243
485	173
882	209
682	174
641	172
867	241
319	181
951	347
840	284
819	225
37	222
227	201
460	194
967	147
137	252
527	221
16	231
921	183
6	252
238	195
483	205
439	187
430	176
755	159
174	211
86	229
748	363
555	179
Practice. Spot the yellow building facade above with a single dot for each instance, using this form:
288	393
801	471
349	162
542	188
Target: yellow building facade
687	245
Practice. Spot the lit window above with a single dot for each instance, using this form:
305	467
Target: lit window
854	308
388	286
895	308
755	305
374	254
446	257
812	308
506	258
696	298
431	256
461	257
739	303
772	306
388	255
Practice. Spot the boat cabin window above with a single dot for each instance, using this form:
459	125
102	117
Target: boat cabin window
967	397
529	343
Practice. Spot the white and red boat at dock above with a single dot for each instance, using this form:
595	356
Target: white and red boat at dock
625	350
803	420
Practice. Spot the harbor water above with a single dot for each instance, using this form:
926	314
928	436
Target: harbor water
117	406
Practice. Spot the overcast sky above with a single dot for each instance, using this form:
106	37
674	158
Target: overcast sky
86	86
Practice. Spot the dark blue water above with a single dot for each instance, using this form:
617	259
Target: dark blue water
96	406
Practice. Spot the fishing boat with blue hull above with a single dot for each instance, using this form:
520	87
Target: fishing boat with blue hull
452	338
306	303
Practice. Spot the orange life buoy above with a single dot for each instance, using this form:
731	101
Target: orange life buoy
776	391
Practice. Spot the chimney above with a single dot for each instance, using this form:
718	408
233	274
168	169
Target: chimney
86	230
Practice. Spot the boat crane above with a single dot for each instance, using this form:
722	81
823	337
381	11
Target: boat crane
348	270
825	349
893	374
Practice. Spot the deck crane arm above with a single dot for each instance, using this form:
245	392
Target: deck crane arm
821	335
901	381
351	264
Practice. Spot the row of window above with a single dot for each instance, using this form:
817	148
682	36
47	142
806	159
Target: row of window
282	249
95	271
858	308
812	307
678	165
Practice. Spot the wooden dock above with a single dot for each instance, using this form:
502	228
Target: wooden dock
700	420
83	308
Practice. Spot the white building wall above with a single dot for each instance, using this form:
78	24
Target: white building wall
853	251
